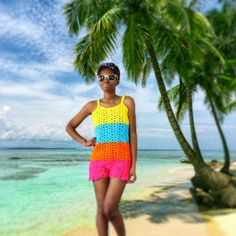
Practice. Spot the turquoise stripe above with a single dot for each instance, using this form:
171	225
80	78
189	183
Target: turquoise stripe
112	132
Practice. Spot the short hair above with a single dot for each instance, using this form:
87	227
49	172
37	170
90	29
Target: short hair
110	66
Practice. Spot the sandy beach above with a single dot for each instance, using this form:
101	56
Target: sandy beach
168	208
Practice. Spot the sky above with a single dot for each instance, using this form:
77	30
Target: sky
40	91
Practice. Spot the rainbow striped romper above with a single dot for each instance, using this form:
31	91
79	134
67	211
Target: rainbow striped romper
111	155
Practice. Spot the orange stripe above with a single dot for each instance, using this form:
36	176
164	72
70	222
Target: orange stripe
111	151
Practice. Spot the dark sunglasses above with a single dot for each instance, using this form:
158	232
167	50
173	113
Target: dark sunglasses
110	77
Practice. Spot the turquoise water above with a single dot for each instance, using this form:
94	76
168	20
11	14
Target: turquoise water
46	191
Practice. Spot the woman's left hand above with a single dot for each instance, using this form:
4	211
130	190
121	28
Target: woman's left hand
132	175
91	142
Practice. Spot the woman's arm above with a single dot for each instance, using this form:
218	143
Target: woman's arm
76	121
133	133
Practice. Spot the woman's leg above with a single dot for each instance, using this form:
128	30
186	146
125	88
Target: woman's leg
100	187
111	205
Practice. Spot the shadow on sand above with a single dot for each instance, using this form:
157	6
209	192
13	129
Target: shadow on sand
166	203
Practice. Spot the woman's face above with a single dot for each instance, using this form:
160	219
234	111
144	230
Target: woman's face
106	84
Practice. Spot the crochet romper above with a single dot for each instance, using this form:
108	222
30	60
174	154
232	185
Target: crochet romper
111	156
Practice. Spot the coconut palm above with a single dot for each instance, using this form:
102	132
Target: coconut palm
217	98
154	31
224	23
217	95
211	74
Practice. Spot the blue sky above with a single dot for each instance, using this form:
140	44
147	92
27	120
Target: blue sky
40	90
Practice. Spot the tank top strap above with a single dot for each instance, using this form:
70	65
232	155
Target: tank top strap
98	102
122	99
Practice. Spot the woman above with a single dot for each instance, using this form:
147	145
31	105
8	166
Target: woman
113	159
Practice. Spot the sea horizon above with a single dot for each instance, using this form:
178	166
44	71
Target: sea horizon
84	149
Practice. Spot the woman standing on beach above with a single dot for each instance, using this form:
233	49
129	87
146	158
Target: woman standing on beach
113	159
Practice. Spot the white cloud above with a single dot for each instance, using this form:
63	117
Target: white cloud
29	126
6	108
28	89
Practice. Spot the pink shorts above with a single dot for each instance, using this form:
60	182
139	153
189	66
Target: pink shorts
109	168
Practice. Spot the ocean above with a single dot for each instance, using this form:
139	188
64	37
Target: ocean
46	192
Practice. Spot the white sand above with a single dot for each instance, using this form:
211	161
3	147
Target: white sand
168	209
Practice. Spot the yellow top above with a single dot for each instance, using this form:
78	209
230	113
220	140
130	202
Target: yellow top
115	114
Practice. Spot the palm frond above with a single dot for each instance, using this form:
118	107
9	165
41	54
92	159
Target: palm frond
214	50
133	46
231	106
173	94
147	66
76	13
200	26
181	104
193	4
176	15
97	44
177	95
83	61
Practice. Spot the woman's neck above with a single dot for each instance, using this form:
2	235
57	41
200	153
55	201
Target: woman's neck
109	97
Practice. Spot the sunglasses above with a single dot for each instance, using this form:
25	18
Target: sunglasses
110	77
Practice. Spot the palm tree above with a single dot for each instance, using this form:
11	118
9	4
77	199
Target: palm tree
218	101
224	23
214	101
207	74
150	35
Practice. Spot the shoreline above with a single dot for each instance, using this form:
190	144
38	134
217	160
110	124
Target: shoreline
168	207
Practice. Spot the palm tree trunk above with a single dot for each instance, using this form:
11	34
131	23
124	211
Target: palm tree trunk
225	168
191	121
195	160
